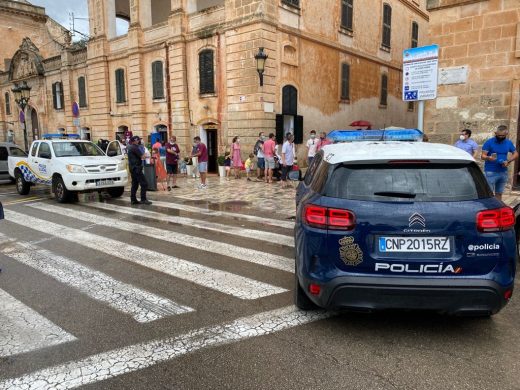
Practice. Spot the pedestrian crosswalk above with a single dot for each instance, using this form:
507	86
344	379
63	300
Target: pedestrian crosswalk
208	257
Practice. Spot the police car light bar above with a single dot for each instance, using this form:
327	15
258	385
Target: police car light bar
60	136
375	135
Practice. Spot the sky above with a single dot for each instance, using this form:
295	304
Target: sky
59	10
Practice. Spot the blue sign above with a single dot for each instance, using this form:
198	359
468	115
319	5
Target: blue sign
410	95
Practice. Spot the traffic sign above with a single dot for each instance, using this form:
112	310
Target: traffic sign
75	110
420	66
76	121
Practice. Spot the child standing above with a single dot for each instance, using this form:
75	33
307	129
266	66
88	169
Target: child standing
249	165
227	164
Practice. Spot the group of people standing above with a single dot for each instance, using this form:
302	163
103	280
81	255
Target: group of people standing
171	152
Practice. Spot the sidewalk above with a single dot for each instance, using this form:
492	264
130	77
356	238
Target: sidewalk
233	195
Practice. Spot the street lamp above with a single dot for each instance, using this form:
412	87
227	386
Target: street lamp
22	94
260	58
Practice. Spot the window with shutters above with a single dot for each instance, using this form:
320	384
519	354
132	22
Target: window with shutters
345	82
82	93
7	103
57	96
347	12
292	3
384	90
206	72
387	25
158	80
120	86
415	34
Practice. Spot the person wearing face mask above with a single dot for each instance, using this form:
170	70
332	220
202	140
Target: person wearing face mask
323	141
258	151
467	144
173	153
498	153
312	147
287	158
202	158
235	157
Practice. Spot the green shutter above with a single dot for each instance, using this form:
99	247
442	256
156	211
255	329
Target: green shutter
345	81
120	86
158	80
206	73
82	92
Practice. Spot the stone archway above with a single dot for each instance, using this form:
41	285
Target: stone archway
33	124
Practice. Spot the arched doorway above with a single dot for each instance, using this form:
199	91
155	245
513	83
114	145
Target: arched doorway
289	121
33	126
209	136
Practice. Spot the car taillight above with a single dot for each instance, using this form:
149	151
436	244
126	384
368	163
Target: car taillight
495	220
328	218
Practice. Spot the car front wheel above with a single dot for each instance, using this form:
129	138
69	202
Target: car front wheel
61	193
22	186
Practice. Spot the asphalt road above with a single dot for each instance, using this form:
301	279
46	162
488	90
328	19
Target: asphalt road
178	296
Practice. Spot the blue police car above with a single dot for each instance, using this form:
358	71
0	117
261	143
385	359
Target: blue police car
389	222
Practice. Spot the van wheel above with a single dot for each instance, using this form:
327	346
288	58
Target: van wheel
301	300
22	186
115	192
61	193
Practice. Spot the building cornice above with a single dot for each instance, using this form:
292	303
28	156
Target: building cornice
23	12
415	9
435	5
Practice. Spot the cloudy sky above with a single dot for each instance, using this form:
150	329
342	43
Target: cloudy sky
59	10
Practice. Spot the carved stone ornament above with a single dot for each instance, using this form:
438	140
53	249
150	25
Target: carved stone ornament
26	62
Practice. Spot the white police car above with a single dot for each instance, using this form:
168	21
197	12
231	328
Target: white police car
389	222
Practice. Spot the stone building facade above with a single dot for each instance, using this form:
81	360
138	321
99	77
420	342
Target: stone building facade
187	67
480	68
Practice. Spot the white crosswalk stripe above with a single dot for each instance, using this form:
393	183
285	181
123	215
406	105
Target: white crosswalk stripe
225	282
137	357
226	214
237	231
24	330
141	305
240	253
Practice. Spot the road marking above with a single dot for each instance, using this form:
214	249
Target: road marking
236	252
215	213
121	361
142	305
24	200
190	222
23	330
225	282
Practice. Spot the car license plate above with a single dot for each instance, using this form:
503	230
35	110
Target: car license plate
106	182
414	244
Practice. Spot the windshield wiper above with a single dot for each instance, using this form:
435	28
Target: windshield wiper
396	194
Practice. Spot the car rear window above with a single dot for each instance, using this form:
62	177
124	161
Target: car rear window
408	182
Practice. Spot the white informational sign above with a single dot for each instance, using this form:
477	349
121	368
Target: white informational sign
420	69
454	75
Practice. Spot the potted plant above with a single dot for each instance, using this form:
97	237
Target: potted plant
189	166
221	167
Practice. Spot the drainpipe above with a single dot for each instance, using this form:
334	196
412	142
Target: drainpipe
220	95
168	91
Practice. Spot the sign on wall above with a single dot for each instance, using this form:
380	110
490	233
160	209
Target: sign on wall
454	75
420	69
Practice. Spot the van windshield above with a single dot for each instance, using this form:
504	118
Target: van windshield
408	182
71	149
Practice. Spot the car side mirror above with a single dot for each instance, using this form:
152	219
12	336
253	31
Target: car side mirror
111	153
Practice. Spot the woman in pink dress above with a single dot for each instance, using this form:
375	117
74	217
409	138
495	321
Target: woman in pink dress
235	157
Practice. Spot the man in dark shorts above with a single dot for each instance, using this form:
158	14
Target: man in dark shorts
173	153
135	161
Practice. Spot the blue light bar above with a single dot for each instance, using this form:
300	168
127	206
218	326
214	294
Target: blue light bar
375	135
60	136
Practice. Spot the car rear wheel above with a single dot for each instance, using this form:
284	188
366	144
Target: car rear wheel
22	186
116	192
301	300
61	193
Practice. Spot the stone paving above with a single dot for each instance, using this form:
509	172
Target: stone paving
233	195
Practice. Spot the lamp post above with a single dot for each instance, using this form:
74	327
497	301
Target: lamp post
260	58
22	94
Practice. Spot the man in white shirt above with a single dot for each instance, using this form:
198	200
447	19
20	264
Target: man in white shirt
312	146
287	158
